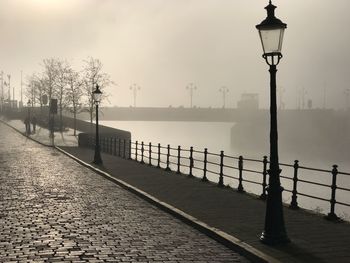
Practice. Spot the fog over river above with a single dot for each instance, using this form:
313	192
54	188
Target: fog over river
216	136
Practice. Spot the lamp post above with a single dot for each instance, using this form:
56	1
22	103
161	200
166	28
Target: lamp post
97	99
191	87
347	94
134	89
9	90
27	122
2	90
271	34
224	91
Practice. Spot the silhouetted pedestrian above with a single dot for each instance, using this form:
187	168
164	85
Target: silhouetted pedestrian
34	123
27	125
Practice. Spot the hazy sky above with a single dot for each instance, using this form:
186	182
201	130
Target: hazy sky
163	45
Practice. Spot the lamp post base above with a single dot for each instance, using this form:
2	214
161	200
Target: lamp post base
274	239
274	232
97	159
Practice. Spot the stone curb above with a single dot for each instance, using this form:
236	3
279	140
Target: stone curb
229	241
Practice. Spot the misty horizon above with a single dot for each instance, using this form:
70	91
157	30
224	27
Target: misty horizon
164	46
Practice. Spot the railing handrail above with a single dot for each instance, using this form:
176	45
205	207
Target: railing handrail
143	152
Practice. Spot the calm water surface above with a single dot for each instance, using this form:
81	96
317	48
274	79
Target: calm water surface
216	136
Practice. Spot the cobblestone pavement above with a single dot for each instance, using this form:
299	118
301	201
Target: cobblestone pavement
54	210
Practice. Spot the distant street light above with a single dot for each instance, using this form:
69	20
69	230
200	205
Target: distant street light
347	93
134	89
324	95
9	89
21	89
303	93
2	90
224	91
27	121
191	87
97	99
271	34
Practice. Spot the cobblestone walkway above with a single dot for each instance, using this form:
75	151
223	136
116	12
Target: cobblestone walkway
54	210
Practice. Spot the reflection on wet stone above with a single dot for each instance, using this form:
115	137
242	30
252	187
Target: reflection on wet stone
54	210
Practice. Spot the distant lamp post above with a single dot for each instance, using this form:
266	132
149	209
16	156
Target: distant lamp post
27	122
347	94
271	34
224	91
97	99
134	88
191	87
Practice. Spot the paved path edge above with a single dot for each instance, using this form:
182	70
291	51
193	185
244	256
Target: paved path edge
228	240
21	132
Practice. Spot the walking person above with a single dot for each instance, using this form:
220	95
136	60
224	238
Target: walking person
34	123
27	125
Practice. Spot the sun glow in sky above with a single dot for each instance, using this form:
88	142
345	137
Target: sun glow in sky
162	45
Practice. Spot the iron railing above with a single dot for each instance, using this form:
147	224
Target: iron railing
208	165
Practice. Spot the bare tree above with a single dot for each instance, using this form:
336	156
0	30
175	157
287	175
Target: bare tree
50	75
39	88
33	90
93	75
61	81
74	94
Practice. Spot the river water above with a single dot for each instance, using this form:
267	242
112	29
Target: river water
216	137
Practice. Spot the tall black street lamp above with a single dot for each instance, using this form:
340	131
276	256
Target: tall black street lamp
97	99
271	34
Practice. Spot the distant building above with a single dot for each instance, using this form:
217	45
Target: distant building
249	101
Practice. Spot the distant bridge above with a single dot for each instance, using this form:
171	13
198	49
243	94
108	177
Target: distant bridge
180	114
209	114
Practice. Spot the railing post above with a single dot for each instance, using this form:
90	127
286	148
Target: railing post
111	145
124	156
263	195
150	154
115	147
240	178
332	215
294	203
205	179
221	178
178	159
167	159
136	146
158	164
130	145
191	162
119	147
142	151
89	141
